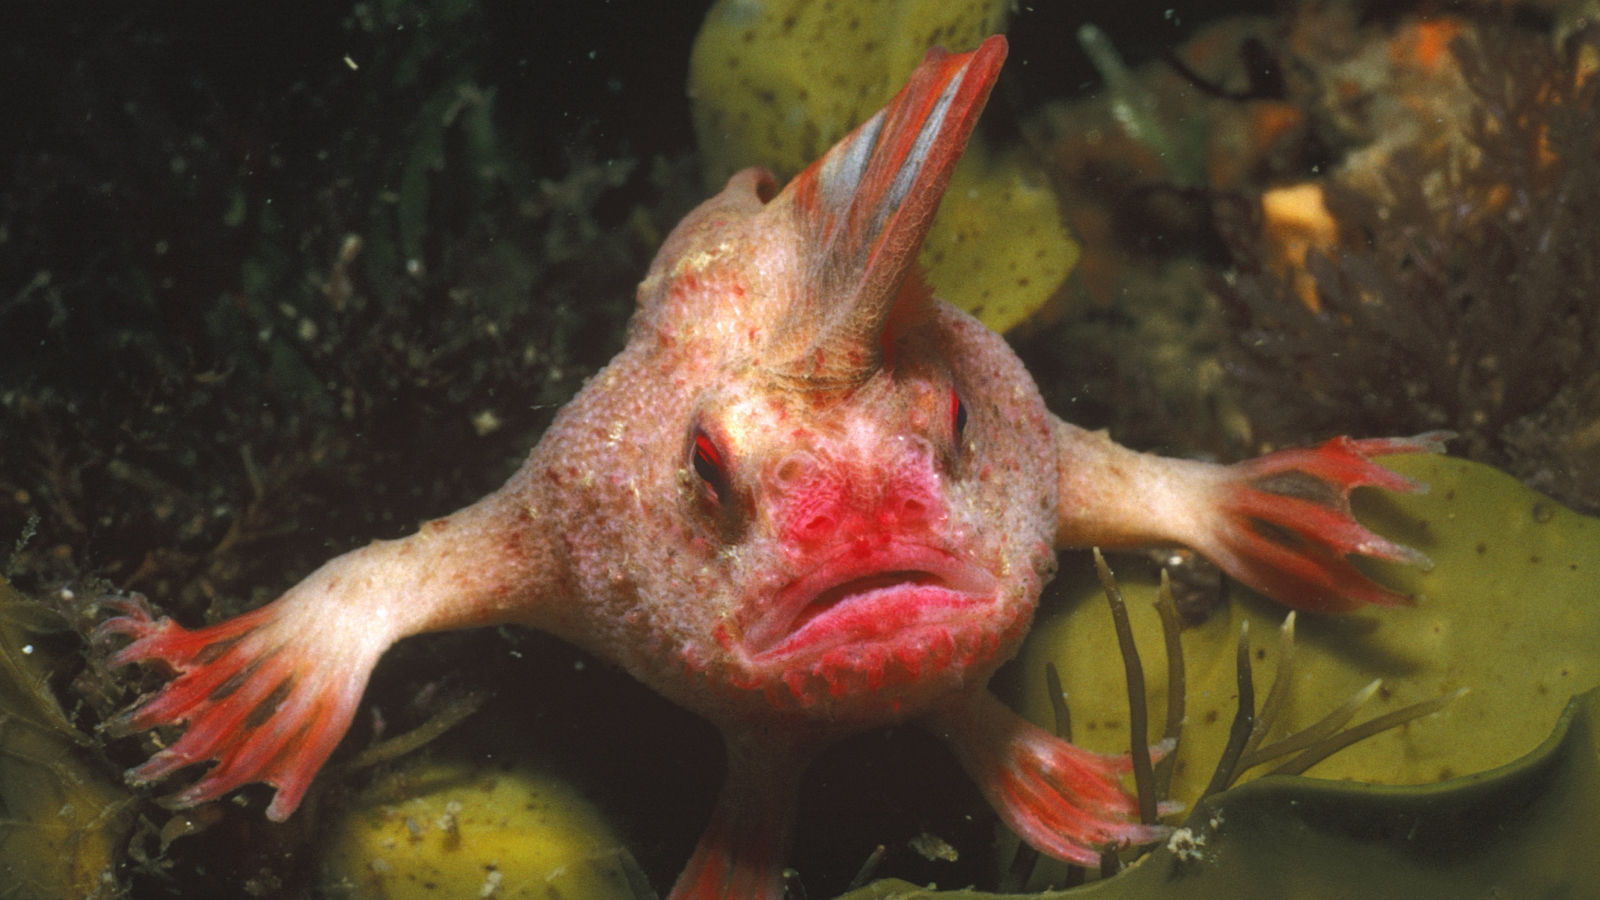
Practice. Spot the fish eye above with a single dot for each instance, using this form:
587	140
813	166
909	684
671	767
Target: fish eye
709	465
958	414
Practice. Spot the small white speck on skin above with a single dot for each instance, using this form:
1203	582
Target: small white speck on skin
694	262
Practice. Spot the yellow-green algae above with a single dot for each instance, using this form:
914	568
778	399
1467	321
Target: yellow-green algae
777	82
441	830
997	249
1528	829
1510	611
63	818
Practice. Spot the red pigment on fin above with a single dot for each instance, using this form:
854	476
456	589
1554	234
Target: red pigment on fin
1061	799
1288	525
266	709
741	853
864	208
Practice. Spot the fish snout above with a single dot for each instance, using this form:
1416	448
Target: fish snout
821	506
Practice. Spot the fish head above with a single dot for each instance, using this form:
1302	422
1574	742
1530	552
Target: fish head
868	470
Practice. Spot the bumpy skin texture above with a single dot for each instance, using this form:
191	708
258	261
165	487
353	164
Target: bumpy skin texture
806	499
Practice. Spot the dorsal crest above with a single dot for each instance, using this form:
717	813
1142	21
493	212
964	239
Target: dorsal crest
861	212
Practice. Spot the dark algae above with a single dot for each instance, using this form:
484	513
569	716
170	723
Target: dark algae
1463	293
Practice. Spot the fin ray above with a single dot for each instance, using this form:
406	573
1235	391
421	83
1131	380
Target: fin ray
864	208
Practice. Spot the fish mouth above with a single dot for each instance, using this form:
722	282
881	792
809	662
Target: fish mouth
863	595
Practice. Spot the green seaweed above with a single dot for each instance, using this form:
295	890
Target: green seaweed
63	816
1510	611
1527	829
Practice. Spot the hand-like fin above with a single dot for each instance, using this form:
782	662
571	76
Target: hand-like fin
1283	524
269	694
1061	799
1280	523
260	693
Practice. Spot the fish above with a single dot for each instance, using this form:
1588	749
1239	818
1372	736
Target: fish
806	499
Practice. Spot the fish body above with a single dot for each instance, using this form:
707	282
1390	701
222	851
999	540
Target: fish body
806	499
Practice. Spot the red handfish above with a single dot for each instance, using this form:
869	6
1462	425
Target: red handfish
806	499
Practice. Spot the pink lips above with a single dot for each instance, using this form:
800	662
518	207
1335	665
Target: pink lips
863	593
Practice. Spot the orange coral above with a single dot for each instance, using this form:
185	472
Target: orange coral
1425	44
1294	220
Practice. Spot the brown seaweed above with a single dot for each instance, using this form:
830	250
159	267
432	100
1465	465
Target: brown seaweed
1467	298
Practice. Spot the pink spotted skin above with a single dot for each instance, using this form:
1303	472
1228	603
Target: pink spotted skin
808	498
